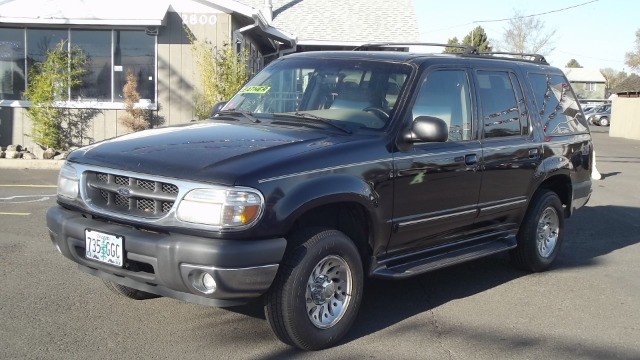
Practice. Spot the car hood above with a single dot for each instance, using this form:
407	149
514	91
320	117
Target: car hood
212	152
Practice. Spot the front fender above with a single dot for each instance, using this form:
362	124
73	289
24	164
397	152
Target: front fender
324	190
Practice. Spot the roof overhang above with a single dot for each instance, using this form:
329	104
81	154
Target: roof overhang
78	12
256	15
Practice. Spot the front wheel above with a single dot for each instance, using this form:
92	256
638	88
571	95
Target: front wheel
540	234
604	121
315	297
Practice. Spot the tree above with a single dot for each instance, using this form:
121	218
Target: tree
573	63
613	78
633	57
526	34
476	38
134	118
221	73
53	125
451	49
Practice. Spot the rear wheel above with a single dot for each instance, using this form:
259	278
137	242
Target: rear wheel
604	121
316	295
128	292
541	233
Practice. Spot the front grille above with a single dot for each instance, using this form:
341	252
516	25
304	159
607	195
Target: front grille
130	195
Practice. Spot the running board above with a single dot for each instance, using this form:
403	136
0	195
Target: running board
437	261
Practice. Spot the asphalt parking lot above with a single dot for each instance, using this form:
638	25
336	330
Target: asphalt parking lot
586	307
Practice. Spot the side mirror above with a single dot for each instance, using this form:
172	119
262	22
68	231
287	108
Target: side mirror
427	129
216	108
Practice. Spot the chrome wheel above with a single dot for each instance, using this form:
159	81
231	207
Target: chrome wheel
328	291
548	232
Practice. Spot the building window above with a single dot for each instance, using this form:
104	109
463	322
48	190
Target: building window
589	86
134	51
12	63
111	54
96	83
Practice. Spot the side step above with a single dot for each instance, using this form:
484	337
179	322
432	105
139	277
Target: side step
432	261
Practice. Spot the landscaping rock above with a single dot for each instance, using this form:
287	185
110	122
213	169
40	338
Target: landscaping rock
12	154
2	154
49	154
28	156
38	152
14	148
61	156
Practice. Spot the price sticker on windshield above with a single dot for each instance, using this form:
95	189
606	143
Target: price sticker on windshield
255	90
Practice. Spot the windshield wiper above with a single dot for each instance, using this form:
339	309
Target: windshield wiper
232	112
315	119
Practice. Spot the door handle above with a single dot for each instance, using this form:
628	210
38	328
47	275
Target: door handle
533	153
470	159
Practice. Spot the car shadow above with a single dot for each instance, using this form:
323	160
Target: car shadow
606	175
592	232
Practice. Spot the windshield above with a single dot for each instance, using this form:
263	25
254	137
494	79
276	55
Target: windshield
353	93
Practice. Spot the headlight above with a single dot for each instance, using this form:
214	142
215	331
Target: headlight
68	182
220	207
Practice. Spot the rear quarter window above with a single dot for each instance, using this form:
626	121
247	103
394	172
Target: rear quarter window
557	105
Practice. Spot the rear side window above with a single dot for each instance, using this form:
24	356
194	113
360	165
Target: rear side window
503	110
558	108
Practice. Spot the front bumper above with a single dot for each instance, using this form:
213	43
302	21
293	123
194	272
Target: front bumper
160	263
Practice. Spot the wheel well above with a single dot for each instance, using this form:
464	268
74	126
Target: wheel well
349	218
561	185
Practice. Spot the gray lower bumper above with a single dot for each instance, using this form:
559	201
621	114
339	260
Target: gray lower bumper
161	263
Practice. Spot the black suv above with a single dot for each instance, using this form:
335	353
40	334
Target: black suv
326	168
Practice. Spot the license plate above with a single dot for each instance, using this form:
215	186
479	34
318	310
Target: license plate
103	247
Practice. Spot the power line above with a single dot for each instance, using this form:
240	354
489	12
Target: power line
511	18
543	13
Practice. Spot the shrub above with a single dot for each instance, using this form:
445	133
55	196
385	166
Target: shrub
53	125
134	118
221	73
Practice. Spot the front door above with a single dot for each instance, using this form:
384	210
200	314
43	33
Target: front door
436	185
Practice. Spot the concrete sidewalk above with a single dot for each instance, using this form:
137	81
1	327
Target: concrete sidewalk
30	164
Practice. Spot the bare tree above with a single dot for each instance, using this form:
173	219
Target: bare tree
633	57
613	77
526	34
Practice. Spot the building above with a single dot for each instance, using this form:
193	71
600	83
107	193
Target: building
588	84
625	107
151	38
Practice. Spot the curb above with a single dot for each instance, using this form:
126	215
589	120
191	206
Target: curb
31	164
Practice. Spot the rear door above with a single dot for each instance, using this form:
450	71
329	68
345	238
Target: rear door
510	153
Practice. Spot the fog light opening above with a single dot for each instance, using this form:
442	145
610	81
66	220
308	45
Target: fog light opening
208	282
203	282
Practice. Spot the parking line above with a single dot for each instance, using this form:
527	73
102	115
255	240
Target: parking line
16	214
33	186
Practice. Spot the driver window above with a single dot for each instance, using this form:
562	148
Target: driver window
445	94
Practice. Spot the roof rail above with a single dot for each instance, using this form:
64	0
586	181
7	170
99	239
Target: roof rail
536	58
468	49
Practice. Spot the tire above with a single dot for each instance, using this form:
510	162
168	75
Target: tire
309	305
128	292
541	233
603	121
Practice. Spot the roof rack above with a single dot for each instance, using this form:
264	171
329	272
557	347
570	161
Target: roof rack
536	58
468	49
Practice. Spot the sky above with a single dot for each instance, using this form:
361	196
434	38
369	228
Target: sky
596	34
